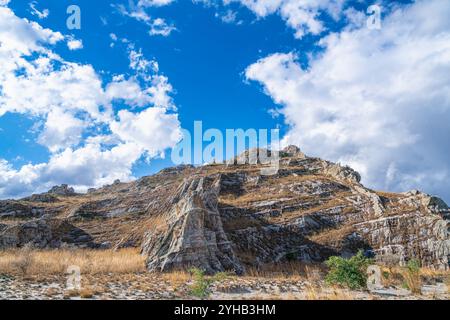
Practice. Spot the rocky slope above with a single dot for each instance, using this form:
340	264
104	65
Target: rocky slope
228	217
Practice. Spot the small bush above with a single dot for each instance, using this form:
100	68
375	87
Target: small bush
413	266
200	287
350	273
411	276
25	260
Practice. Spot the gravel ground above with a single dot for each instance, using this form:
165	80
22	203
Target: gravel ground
155	287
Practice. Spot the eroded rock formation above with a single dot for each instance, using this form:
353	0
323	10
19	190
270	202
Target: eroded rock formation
192	234
228	217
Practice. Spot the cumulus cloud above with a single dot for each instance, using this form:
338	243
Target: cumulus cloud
378	100
62	130
74	44
152	130
91	165
90	143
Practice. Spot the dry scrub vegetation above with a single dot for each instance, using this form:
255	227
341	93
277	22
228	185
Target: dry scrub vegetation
50	262
291	270
126	267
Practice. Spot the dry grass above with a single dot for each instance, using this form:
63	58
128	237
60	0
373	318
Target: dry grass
433	273
252	197
412	281
86	293
313	293
402	277
389	195
331	235
287	270
50	262
157	223
177	278
71	293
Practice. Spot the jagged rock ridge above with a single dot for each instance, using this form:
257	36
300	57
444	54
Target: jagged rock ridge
229	217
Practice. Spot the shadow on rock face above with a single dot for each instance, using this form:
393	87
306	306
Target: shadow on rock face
44	233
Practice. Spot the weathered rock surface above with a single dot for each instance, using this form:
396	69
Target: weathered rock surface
230	216
192	235
15	209
62	190
44	233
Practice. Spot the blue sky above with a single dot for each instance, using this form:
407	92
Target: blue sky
311	68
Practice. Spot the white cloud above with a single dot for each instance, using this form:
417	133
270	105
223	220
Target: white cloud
40	14
74	44
153	129
230	17
261	8
139	63
303	16
62	130
159	92
20	36
135	12
128	90
88	142
159	27
378	100
154	3
84	167
72	87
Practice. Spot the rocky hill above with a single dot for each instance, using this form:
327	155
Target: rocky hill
229	217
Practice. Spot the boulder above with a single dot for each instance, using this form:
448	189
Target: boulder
292	151
62	190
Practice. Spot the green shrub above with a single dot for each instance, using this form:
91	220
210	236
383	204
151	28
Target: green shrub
350	273
201	284
413	266
411	276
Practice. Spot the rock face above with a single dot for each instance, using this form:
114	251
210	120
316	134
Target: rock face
62	190
44	233
292	151
230	217
15	209
193	234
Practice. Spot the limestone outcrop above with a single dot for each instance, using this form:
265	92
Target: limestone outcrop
192	235
230	217
44	233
